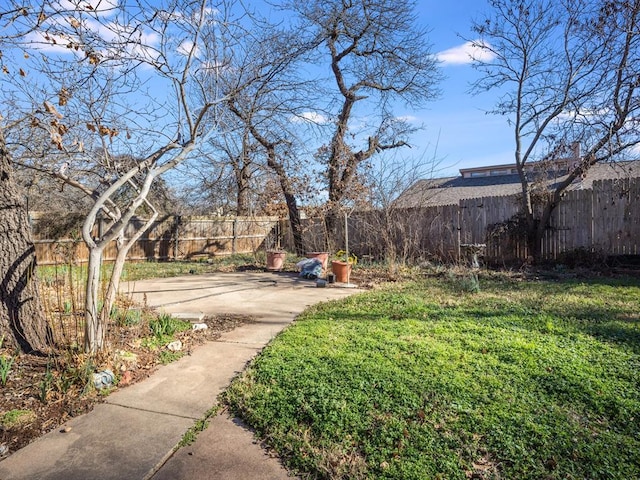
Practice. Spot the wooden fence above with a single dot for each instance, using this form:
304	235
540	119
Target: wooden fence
172	238
604	219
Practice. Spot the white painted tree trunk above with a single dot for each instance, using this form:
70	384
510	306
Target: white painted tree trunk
114	282
94	328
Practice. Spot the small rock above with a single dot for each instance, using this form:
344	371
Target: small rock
65	430
4	450
175	346
199	326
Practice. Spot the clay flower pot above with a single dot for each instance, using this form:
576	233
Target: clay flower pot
322	256
275	260
341	270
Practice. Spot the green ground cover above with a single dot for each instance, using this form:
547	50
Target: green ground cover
428	380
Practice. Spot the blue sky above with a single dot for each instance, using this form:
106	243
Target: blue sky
457	123
458	133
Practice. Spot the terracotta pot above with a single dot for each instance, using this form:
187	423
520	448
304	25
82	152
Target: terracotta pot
322	256
275	260
341	270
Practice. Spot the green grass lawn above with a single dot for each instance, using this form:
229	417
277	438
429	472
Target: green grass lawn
427	380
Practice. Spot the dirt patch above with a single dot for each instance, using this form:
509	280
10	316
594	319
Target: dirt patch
41	393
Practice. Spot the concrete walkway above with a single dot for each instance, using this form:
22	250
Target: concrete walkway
133	435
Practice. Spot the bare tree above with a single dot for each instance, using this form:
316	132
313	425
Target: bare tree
396	227
567	77
270	105
113	51
229	173
378	56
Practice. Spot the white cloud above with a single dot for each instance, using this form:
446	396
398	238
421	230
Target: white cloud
100	8
48	42
185	48
408	118
465	54
311	117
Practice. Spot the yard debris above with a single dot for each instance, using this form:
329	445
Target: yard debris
103	379
310	268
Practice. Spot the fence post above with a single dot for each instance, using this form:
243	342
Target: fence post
459	230
234	241
176	235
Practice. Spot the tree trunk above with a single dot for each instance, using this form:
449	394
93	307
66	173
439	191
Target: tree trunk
288	192
296	223
22	318
534	245
94	330
292	204
123	247
244	189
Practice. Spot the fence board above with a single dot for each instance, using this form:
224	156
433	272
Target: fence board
172	238
605	218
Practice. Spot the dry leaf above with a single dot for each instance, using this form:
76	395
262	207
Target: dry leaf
62	128
74	23
22	73
63	97
56	139
49	108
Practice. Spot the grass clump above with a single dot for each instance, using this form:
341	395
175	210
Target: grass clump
164	329
6	362
423	380
199	426
71	374
166	326
16	418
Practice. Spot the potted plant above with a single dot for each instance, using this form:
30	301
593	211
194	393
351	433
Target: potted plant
275	259
342	264
322	256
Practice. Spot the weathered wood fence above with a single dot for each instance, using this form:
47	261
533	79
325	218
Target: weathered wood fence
173	238
604	219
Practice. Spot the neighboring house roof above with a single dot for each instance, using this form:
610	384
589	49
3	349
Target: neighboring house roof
448	191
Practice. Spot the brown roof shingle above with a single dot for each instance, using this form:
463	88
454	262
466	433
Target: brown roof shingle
448	191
